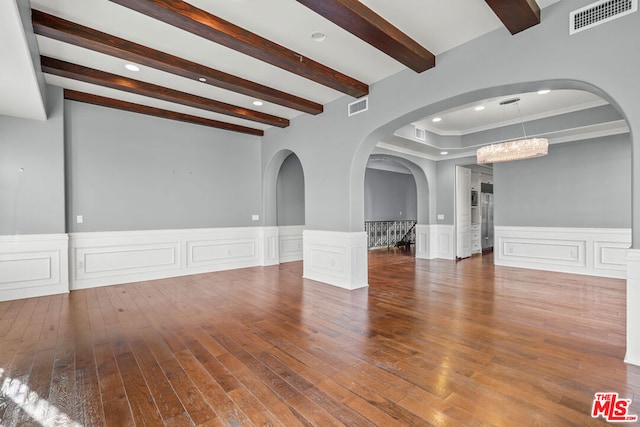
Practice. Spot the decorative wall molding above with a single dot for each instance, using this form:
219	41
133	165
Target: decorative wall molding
108	258
290	242
337	258
435	241
442	240
271	246
633	307
423	242
33	265
592	251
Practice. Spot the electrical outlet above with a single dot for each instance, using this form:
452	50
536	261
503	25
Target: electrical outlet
79	219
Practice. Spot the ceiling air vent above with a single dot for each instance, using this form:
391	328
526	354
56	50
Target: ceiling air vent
358	106
600	12
421	134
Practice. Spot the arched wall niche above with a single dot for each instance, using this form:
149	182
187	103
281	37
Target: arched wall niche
270	186
290	207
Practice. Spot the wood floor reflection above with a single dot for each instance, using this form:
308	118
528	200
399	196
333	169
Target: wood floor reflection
428	343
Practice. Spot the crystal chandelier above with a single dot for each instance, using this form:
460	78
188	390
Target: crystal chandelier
520	149
513	150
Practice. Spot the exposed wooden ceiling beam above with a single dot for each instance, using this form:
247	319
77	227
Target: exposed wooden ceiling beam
102	78
183	15
157	112
516	15
364	23
70	32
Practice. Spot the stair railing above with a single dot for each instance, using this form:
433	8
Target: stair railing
382	234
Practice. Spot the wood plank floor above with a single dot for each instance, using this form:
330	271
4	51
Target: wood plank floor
428	343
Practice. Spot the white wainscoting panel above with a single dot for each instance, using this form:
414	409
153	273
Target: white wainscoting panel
270	246
633	307
442	240
591	251
337	258
33	265
423	241
290	244
212	252
107	258
434	241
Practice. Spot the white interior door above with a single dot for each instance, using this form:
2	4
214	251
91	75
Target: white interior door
463	212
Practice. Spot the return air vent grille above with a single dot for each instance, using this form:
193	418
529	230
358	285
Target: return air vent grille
358	106
600	12
421	134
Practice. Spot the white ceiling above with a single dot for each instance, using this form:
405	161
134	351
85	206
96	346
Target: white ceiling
465	119
285	22
437	25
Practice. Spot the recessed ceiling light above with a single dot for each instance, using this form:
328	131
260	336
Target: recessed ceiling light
202	79
444	152
318	36
544	91
479	108
132	67
436	119
258	103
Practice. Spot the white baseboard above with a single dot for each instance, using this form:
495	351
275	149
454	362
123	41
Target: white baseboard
633	307
33	265
337	258
108	258
590	251
290	242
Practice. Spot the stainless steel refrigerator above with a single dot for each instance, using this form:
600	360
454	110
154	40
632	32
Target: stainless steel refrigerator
486	221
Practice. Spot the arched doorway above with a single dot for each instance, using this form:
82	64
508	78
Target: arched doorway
410	185
493	66
461	149
557	193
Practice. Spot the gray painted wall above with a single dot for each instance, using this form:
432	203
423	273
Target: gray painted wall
334	148
290	192
389	196
32	201
578	184
424	173
134	172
